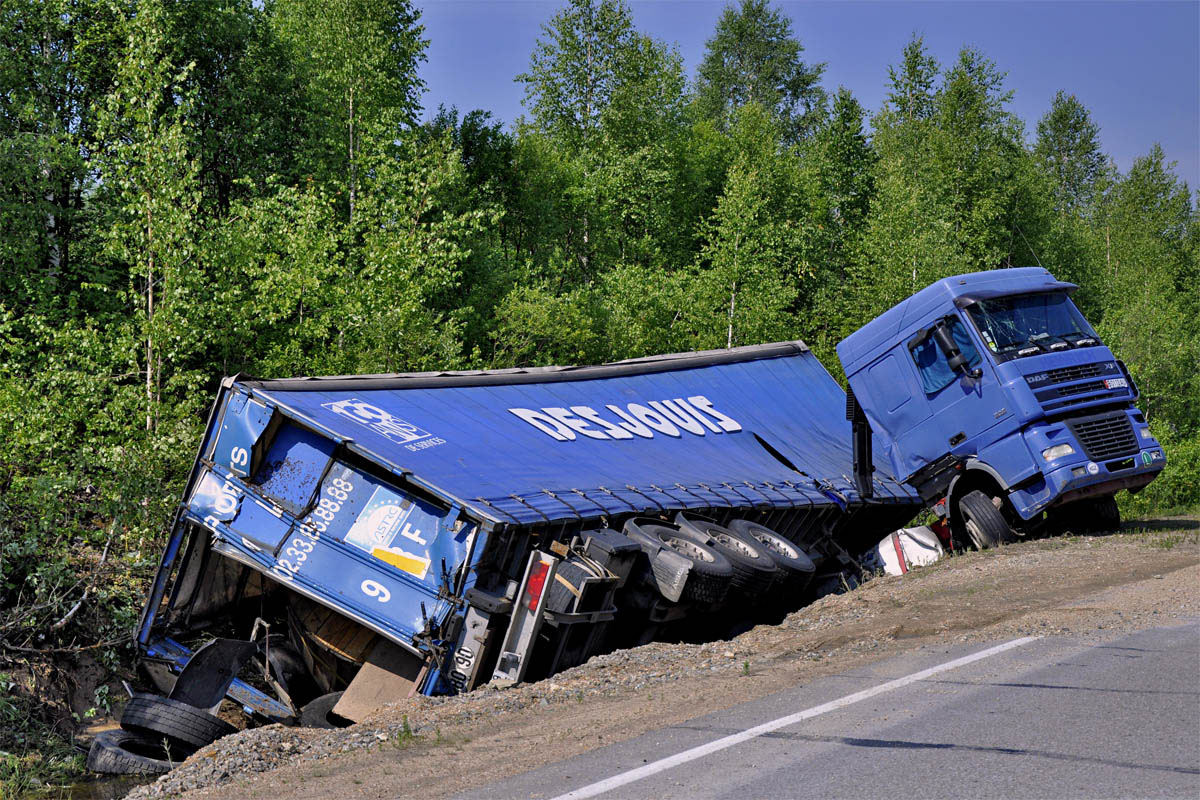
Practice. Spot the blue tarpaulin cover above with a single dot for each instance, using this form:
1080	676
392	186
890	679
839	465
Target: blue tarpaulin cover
756	426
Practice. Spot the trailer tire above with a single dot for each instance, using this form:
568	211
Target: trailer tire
319	713
711	573
754	570
183	725
984	523
796	565
122	752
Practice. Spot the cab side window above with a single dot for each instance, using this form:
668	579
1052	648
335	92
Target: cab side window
931	361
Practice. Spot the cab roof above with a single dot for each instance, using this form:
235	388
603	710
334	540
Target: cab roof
939	298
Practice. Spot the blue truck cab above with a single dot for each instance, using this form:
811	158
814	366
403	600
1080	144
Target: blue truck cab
993	397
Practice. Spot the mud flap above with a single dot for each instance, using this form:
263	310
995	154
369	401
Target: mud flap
209	672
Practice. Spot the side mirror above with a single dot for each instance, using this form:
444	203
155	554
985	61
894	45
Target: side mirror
954	356
945	342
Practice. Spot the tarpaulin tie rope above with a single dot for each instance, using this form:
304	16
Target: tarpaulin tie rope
704	504
734	489
521	500
498	510
574	510
661	490
604	511
711	491
790	501
610	493
765	498
633	488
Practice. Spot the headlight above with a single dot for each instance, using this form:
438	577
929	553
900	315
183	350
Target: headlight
1058	451
1146	434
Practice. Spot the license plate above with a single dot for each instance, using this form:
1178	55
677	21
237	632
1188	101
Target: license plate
1116	383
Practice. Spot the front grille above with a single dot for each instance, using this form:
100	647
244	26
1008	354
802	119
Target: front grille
1064	374
1077	388
1105	436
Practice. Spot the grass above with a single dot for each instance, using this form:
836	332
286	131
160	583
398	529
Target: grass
405	737
1169	541
33	756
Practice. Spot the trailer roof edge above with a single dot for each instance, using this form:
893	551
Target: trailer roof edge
552	374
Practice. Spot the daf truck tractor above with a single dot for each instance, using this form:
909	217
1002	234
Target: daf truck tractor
995	400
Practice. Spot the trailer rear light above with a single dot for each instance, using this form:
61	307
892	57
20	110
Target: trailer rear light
533	587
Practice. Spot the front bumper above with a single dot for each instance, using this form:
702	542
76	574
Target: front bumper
1084	479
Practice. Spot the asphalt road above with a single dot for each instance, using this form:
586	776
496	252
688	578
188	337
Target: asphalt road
1052	717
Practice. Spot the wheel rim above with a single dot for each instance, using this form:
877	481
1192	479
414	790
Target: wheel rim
777	545
976	534
736	545
690	549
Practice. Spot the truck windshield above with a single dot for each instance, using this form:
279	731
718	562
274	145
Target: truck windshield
1024	325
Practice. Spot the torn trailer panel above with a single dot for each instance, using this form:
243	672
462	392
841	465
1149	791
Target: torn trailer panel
424	508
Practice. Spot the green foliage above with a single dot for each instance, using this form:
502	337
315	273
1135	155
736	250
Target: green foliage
753	57
1068	147
948	179
32	755
753	262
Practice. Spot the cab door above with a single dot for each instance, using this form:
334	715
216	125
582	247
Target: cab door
962	405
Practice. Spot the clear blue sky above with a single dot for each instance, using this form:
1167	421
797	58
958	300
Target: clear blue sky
1135	65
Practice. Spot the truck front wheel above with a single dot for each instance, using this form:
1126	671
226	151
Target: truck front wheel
982	520
1099	515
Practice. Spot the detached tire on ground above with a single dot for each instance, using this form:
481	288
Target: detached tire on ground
983	522
711	572
319	713
184	725
753	568
122	752
797	567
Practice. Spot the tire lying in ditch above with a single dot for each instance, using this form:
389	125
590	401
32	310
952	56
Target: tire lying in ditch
122	752
710	578
984	523
753	568
181	724
795	564
319	713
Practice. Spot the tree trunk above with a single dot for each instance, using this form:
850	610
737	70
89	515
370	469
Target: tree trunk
353	176
150	376
732	305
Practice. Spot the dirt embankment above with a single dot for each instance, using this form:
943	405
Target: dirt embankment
437	746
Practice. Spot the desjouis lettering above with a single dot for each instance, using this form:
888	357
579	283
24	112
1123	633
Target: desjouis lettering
695	415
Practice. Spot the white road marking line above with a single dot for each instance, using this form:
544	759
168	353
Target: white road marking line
653	768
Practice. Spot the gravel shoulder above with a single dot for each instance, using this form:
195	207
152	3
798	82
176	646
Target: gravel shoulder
1093	587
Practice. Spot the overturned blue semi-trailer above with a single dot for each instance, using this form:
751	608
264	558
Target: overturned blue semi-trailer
417	506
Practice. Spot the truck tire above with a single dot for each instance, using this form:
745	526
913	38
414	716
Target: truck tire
711	571
1104	516
983	522
753	568
319	713
571	572
184	726
122	752
794	562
